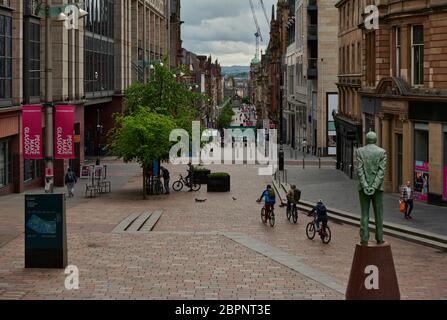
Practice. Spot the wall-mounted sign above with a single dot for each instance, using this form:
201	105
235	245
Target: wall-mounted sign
32	132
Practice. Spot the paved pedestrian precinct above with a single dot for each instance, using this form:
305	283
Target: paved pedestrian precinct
340	192
217	249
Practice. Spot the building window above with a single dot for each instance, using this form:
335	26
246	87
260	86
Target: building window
398	51
417	55
32	169
5	163
5	57
34	63
371	59
421	142
99	46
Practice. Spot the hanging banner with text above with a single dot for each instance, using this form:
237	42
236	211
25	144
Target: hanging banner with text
32	132
64	132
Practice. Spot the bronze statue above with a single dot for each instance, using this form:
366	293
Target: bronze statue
371	166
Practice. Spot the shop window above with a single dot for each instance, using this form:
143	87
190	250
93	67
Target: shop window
421	145
421	165
5	57
5	164
32	169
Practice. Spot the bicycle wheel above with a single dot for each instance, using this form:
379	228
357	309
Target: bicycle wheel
264	221
288	214
196	187
272	218
310	230
177	186
326	238
295	216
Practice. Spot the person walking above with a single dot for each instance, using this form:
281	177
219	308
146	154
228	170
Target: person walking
408	198
166	177
70	181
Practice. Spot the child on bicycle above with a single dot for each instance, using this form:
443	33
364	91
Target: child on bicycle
269	198
293	197
321	212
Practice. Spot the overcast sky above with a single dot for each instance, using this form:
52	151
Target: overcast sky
224	28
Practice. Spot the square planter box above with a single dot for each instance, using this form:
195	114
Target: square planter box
201	176
219	184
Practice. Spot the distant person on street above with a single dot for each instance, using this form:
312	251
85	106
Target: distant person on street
293	197
70	181
190	176
321	212
166	177
408	198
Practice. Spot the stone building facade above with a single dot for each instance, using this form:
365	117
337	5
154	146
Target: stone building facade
91	67
403	94
349	120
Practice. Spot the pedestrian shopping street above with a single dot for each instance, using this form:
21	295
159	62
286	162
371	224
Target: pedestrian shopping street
199	250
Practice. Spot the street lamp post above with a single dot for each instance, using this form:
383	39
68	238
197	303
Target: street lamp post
50	12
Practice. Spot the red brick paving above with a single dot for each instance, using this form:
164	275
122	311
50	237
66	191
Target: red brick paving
169	265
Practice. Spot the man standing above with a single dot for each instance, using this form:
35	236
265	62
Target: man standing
408	198
70	181
371	166
166	177
190	177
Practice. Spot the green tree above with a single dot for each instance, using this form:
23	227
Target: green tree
226	116
142	136
166	94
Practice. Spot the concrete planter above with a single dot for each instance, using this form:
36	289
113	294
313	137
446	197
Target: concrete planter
201	176
219	183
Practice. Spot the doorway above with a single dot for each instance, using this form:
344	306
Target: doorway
399	161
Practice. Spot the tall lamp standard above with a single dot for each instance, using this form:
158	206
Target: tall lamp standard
59	13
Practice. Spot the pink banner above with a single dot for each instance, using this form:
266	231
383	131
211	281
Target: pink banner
32	132
64	132
445	183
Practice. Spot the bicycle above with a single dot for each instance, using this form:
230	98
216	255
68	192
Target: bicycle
292	212
179	184
270	218
324	232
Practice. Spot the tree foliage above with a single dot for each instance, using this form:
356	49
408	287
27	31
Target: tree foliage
142	136
226	116
166	94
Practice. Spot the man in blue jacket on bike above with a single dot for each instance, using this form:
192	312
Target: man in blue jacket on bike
269	199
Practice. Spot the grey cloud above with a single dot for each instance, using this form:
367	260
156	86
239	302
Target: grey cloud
223	28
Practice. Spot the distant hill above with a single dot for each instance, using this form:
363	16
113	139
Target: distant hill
239	71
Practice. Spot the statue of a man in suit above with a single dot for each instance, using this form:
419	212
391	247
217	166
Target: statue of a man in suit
371	166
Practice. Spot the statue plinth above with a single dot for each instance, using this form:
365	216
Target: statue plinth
373	276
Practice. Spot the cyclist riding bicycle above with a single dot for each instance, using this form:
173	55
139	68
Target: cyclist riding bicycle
269	198
321	212
293	197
